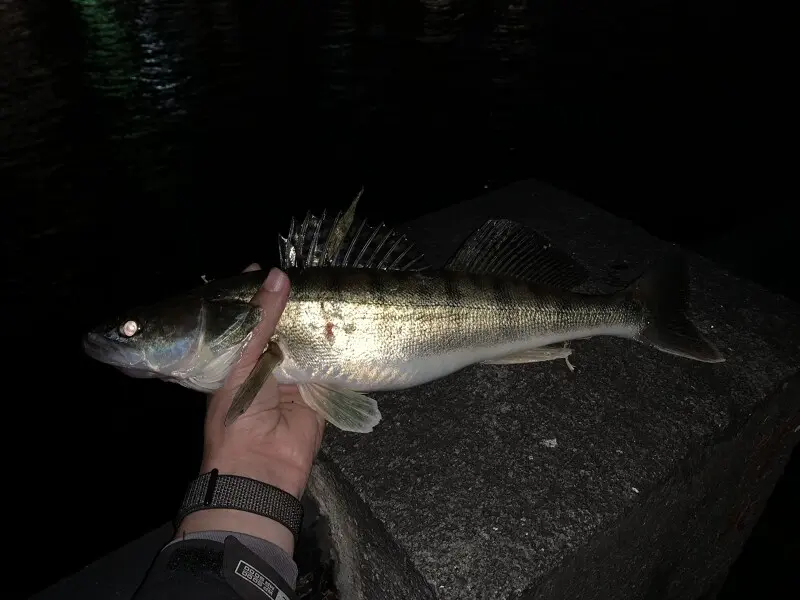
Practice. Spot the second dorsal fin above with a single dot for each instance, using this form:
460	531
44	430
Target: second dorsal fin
507	248
345	241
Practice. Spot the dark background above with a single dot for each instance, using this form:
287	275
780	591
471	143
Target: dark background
145	143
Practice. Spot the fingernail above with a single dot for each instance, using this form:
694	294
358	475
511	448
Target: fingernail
275	281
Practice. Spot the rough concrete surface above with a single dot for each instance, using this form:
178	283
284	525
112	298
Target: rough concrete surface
637	476
369	563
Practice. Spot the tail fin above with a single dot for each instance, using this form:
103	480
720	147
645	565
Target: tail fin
663	293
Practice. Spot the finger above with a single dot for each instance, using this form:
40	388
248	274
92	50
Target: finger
252	267
271	299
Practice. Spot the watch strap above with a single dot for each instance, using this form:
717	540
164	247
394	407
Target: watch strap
212	490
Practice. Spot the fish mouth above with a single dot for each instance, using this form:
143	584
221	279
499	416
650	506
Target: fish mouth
106	351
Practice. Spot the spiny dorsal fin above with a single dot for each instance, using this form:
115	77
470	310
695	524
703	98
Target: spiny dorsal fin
339	229
507	248
345	241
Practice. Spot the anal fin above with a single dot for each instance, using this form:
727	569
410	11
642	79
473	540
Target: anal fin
543	354
345	409
507	248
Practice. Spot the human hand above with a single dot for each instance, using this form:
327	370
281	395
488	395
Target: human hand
274	441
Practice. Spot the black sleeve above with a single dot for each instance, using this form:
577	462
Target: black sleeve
210	569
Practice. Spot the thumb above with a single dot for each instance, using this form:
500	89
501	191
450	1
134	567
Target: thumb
271	299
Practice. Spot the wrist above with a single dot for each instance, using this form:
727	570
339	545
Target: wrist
236	501
276	464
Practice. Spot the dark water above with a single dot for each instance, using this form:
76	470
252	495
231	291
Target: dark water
144	143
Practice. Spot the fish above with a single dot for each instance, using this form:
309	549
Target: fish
366	314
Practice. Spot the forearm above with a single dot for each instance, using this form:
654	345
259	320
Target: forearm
236	521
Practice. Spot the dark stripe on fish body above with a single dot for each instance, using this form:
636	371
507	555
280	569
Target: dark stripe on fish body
501	293
335	283
378	284
452	289
476	281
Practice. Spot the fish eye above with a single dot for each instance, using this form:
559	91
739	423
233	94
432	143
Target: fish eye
129	328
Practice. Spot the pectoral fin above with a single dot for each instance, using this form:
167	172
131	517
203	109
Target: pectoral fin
347	410
246	393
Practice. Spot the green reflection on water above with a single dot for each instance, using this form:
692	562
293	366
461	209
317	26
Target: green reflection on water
111	51
129	60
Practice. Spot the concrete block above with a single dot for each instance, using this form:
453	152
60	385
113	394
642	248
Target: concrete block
637	476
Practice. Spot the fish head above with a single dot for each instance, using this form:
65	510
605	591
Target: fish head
192	341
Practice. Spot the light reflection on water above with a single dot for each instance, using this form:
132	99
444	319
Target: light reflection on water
140	68
137	54
153	104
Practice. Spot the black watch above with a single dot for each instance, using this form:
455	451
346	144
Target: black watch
212	490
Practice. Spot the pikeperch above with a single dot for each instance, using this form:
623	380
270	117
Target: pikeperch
365	314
